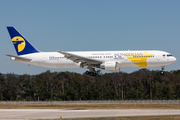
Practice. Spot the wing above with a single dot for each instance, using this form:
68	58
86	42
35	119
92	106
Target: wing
77	59
18	57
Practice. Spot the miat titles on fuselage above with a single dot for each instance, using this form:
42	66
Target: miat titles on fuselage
116	55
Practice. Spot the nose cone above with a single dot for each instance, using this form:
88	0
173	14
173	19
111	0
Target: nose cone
173	59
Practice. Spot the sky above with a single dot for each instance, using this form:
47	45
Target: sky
90	25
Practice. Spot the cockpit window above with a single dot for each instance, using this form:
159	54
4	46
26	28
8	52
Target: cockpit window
169	55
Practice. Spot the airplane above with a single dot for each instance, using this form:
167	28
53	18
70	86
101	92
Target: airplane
107	60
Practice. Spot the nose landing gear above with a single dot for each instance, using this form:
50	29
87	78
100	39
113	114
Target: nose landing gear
162	72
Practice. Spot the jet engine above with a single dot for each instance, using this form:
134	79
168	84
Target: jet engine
111	66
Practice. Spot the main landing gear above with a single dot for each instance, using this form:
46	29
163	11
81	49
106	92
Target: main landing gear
162	72
91	73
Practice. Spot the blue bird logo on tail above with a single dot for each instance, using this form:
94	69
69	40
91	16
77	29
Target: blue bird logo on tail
19	43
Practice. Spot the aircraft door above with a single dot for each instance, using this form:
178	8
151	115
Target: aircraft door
158	57
43	58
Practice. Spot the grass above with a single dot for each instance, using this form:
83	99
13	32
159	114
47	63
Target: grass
96	106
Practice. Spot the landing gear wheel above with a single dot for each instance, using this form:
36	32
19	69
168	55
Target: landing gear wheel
90	73
162	72
87	72
94	74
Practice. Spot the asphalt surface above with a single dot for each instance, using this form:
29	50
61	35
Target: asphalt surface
20	114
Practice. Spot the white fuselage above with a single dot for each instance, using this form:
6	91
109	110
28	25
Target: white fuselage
124	59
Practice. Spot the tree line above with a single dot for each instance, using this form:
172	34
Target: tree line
138	85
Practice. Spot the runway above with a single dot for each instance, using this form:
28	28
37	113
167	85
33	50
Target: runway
20	114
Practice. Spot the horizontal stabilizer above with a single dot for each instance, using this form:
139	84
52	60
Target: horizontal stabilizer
18	57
